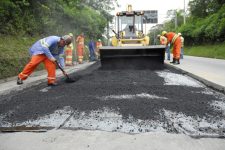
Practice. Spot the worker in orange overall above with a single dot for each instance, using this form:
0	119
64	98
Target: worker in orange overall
174	39
46	50
182	46
163	41
80	48
98	46
69	53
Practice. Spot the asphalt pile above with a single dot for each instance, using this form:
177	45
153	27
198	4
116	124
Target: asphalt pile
138	94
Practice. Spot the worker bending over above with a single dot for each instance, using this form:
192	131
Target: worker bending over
46	50
175	40
163	41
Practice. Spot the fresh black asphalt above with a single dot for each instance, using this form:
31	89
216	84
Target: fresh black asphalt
94	82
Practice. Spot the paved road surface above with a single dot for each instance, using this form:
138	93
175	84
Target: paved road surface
210	71
122	101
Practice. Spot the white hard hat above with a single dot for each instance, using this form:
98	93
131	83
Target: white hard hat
179	34
67	39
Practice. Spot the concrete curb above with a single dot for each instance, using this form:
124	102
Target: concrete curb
34	74
9	84
210	84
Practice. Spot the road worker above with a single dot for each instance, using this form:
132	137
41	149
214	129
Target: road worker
91	47
80	48
69	53
175	40
182	46
98	46
163	41
46	50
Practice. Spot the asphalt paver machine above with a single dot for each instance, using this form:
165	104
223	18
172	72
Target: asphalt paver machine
130	46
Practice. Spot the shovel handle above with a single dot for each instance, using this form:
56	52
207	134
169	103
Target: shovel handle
61	68
68	79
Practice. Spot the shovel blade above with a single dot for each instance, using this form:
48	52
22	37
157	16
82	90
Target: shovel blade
69	80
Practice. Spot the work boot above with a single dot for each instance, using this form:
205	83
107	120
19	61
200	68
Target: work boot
19	81
52	84
177	61
173	61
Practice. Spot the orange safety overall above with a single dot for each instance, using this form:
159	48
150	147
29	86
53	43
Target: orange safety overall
98	45
80	48
34	62
174	39
69	55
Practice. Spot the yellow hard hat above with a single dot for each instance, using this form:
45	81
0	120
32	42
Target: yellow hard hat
164	32
71	34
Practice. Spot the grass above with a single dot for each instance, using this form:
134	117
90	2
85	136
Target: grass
210	51
14	54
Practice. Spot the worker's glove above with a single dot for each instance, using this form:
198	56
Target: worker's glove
53	59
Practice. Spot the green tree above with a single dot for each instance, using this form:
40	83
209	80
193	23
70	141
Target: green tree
203	8
46	17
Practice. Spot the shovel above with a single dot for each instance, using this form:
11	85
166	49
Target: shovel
68	79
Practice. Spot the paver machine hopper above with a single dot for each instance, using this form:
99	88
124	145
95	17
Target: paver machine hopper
130	46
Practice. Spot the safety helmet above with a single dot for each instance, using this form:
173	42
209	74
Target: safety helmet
179	34
71	34
99	40
67	39
164	32
158	36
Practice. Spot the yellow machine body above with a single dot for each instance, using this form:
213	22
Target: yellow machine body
130	46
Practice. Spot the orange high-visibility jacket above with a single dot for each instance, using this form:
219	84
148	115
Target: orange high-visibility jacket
80	41
174	39
80	45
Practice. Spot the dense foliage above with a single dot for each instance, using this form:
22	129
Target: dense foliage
44	17
25	21
205	22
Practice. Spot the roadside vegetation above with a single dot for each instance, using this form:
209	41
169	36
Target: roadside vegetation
25	21
203	31
206	50
14	54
